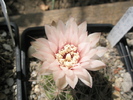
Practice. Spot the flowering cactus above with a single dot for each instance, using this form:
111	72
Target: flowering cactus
68	53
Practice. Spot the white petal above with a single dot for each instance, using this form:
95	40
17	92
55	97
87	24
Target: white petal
93	38
47	30
81	46
61	83
44	69
85	64
67	71
58	74
101	51
41	45
84	59
72	31
89	55
43	41
61	26
85	50
61	39
49	33
54	34
37	45
83	37
54	65
82	28
61	44
39	56
84	76
47	56
95	65
45	50
72	80
53	47
68	23
43	56
74	39
45	65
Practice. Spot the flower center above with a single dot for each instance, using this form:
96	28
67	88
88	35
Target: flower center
68	56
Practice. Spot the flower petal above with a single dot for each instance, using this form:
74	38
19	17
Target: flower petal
95	65
39	56
61	83
81	46
74	33
43	41
45	50
82	28
85	50
51	34
70	76
53	47
46	56
84	76
36	45
44	69
54	33
74	39
58	74
45	65
47	30
101	51
61	43
61	26
61	38
93	38
85	64
42	45
67	71
48	68
91	53
83	37
72	80
71	30
54	65
84	59
68	23
88	55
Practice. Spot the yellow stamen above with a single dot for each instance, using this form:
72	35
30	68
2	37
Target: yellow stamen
68	56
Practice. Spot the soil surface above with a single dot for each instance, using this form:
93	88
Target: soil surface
8	85
16	7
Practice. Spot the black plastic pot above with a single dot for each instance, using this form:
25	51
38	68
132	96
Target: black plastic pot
3	27
40	32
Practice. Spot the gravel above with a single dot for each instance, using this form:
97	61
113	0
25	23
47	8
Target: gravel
7	68
7	47
127	82
10	81
114	78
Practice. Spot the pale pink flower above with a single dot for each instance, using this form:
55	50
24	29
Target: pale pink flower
68	53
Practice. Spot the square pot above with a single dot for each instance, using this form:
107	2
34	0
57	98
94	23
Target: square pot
40	32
